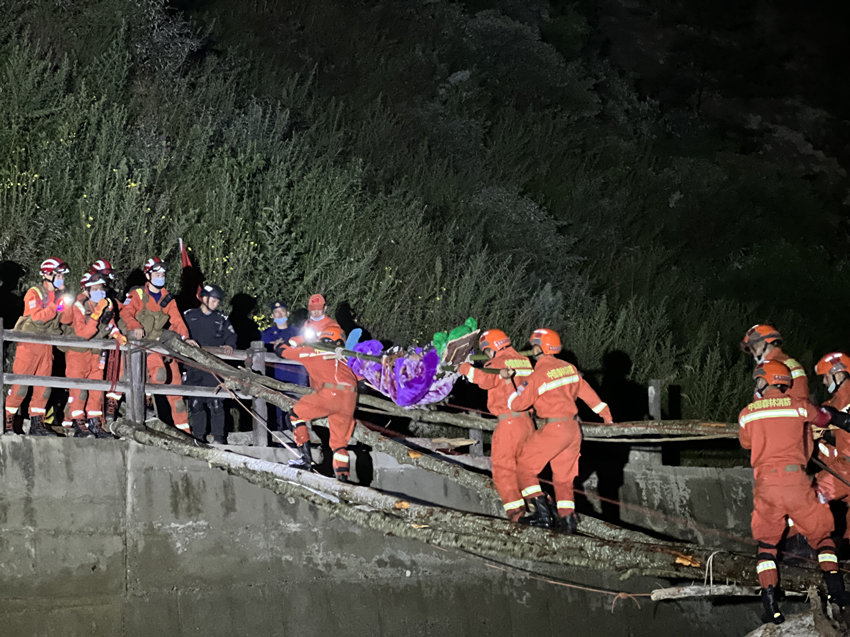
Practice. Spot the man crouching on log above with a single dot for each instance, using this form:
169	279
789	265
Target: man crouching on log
775	428
335	398
552	389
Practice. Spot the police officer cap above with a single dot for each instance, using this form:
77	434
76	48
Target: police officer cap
212	290
277	304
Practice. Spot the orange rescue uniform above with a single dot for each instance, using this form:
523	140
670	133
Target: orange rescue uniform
776	430
41	316
335	399
85	363
154	314
513	428
837	456
552	389
799	380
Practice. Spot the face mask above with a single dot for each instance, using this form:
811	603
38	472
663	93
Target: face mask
832	387
313	318
97	295
158	281
280	322
58	283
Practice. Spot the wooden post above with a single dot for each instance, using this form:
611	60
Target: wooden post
654	399
258	364
137	367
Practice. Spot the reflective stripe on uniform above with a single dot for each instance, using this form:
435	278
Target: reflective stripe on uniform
770	413
470	375
516	504
600	408
823	449
77	413
826	557
532	491
185	427
797	373
341	457
511	399
523	372
38	410
566	504
765	566
790	522
566	380
95	413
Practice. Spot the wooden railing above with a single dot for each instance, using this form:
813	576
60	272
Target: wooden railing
135	385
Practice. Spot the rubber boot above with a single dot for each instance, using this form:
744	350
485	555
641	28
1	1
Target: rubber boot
111	409
542	516
80	430
772	614
9	427
37	427
96	428
305	462
568	524
835	591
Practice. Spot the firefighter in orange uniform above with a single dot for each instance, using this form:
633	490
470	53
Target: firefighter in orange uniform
764	343
147	312
93	316
513	426
834	444
317	320
105	269
775	428
335	398
552	389
43	314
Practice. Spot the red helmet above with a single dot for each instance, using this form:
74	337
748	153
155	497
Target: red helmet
332	333
774	372
93	278
760	334
548	340
833	363
316	302
496	340
154	263
104	267
53	265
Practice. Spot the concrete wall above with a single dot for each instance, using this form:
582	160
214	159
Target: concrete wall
111	538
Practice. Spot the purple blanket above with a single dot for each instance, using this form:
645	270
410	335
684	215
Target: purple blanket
408	377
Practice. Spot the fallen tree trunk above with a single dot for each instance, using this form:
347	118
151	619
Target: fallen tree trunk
236	378
490	537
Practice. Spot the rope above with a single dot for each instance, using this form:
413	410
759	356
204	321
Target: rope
709	571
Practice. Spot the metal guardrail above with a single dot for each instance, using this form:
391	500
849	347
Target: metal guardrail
135	385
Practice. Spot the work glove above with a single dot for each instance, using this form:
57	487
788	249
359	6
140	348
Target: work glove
102	305
838	418
507	372
118	336
464	369
301	434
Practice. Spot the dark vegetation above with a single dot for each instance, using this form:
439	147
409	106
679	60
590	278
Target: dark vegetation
528	163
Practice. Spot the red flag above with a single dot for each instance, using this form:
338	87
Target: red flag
186	262
184	255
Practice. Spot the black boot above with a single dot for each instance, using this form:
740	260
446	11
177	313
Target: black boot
79	427
37	427
835	591
111	409
95	428
568	524
305	462
772	614
542	516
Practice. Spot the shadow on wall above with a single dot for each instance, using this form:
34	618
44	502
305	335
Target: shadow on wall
241	317
11	303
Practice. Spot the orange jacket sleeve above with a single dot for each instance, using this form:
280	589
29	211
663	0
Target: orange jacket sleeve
592	400
84	327
743	432
33	309
525	394
128	311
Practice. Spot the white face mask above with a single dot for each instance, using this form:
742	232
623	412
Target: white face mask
317	318
158	281
832	387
